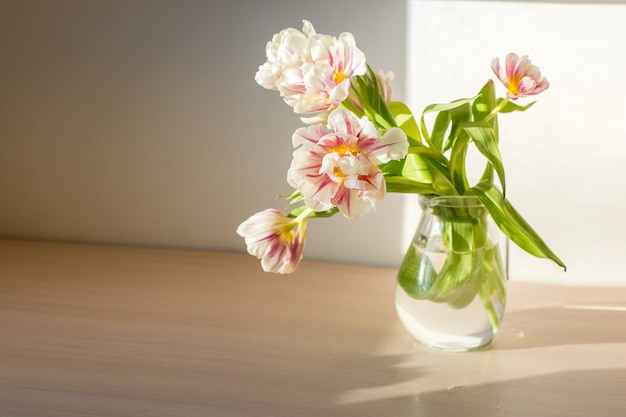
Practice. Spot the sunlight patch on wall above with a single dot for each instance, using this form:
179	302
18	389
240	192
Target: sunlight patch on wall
566	157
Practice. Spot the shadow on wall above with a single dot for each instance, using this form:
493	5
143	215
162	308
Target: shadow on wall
140	122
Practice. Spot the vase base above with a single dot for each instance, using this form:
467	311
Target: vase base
453	348
445	342
440	327
449	347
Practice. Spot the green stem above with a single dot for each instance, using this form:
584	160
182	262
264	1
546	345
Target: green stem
497	109
306	213
423	150
494	319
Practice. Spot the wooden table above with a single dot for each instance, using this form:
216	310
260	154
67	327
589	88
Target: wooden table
90	330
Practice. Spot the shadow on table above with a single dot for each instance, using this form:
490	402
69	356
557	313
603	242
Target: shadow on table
341	377
583	393
554	326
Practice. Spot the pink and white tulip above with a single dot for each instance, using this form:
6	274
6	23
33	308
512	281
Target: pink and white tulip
276	239
520	76
311	71
285	52
337	165
384	80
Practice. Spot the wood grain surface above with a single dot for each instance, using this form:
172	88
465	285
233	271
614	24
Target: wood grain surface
89	330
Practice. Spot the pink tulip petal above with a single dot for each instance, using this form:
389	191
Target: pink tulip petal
520	76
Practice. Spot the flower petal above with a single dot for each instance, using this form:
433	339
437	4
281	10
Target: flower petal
274	238
393	145
520	76
341	168
311	71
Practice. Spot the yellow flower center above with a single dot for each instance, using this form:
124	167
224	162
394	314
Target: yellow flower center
286	233
338	172
339	77
347	150
513	85
344	150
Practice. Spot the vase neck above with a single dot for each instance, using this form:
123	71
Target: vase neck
453	207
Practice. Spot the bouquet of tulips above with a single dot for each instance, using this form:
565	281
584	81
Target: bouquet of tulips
357	144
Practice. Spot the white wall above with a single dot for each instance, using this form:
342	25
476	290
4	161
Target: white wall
139	121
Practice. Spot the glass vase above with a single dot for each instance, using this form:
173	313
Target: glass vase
451	286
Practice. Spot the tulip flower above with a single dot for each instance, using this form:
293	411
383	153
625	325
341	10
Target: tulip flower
275	238
337	165
284	53
520	76
311	71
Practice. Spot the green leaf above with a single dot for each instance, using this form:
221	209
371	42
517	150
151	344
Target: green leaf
496	274
381	121
511	107
458	281
392	168
442	121
353	108
416	274
512	223
457	162
442	125
447	106
416	168
377	102
403	185
374	106
485	102
486	142
461	275
431	154
422	169
406	121
423	158
482	107
458	115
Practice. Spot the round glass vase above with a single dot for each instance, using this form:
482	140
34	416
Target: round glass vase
451	286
